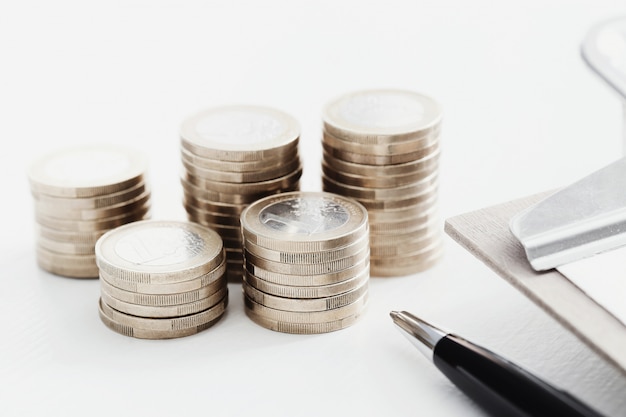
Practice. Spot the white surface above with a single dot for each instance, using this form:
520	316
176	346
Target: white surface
601	277
522	114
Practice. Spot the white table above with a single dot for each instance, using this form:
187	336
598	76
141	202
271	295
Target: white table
522	114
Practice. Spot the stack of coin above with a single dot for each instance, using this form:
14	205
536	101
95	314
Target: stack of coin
232	156
306	262
80	193
381	147
161	279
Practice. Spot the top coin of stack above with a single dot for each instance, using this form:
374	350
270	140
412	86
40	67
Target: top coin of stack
232	156
306	260
161	279
80	193
381	147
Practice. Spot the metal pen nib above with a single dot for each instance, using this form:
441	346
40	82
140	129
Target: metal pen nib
422	334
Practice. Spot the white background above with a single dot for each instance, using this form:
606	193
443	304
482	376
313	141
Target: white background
523	114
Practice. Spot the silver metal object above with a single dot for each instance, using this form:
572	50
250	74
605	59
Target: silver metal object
421	334
579	221
604	50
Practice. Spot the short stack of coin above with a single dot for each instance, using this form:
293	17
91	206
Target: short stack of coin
381	147
232	156
161	279
306	262
80	193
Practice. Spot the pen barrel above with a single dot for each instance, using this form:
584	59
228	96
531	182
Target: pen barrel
499	386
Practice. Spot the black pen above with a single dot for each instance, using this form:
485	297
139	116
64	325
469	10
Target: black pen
499	386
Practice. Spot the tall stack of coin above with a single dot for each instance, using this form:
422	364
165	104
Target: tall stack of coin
232	156
80	193
161	279
381	147
306	262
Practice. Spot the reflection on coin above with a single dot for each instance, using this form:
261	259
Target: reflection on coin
382	148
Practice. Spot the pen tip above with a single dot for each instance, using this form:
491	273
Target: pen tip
394	314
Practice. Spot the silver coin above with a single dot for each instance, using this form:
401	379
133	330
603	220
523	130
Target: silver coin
80	238
319	291
426	164
304	222
307	317
283	168
400	203
165	324
406	225
389	181
308	280
130	331
171	311
304	328
400	237
380	249
66	247
92	225
230	166
393	193
391	215
84	260
159	251
308	257
210	217
381	116
223	209
245	188
392	148
91	203
304	305
99	214
87	171
399	266
239	133
210	279
159	300
371	159
68	269
233	197
307	269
